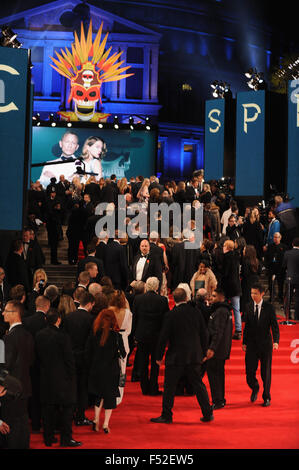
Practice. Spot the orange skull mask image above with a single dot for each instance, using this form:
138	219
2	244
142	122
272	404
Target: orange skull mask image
86	92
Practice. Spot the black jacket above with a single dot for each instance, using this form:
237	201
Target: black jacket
115	263
152	267
57	367
19	356
91	259
16	271
257	334
220	329
78	325
230	279
148	313
186	335
36	322
291	264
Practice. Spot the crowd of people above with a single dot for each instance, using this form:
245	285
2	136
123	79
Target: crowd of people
70	348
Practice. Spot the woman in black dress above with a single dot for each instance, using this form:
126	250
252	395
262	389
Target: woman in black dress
103	350
251	271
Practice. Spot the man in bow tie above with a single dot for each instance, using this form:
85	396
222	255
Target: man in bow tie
258	343
146	264
69	144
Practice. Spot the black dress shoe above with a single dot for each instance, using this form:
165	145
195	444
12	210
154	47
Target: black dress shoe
218	406
254	396
154	394
237	335
83	422
71	443
49	442
161	419
207	419
266	402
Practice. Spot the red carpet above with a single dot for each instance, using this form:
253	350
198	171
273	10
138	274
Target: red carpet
240	425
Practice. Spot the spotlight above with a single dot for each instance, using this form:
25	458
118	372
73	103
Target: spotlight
214	84
9	38
131	122
257	81
52	120
100	125
115	122
147	123
36	119
221	89
69	124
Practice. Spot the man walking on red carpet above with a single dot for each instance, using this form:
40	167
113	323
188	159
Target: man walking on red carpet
260	318
185	332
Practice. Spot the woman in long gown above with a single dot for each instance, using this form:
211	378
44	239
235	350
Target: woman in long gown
94	148
103	349
120	306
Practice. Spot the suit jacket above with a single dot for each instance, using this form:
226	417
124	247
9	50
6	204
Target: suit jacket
57	367
78	326
231	282
116	265
82	263
16	271
93	189
186	335
5	291
151	268
36	322
19	356
190	193
220	329
291	263
184	264
257	334
148	313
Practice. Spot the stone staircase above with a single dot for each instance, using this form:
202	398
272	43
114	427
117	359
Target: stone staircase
60	274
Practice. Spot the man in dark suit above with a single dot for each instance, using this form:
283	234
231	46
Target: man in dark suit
58	384
19	356
93	189
78	325
291	264
54	229
260	319
220	341
192	190
115	262
34	323
184	263
274	254
185	333
146	264
91	257
148	313
4	288
16	268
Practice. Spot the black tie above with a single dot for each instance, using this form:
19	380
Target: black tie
256	313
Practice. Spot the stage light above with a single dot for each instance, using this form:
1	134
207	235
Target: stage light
115	122
221	89
147	123
36	119
249	72
131	122
69	124
52	120
100	125
9	38
214	84
257	81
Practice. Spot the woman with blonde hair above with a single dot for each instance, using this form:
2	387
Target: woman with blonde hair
66	305
93	151
143	194
39	276
103	349
123	186
120	306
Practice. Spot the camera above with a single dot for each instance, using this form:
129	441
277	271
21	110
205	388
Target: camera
12	385
41	283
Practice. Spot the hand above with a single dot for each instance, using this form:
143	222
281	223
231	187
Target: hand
159	363
244	347
4	428
209	355
2	391
275	346
265	248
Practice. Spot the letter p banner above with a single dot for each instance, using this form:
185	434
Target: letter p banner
252	118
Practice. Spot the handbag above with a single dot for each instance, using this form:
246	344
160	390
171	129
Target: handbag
122	376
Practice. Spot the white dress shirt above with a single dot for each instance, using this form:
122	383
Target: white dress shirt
139	268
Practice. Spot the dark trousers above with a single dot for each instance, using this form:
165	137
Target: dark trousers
194	375
216	376
82	392
14	413
295	297
280	281
53	242
252	358
73	249
148	381
65	422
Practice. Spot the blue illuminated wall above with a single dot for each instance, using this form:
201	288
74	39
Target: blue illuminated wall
293	142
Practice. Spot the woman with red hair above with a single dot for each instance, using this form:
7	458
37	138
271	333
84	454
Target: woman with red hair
103	349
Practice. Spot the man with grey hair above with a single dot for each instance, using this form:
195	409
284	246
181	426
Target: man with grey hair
52	292
148	313
94	288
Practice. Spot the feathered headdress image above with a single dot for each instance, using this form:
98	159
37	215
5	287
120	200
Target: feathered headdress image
88	65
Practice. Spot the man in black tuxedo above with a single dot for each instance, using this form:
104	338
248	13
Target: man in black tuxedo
19	356
58	380
291	264
54	229
146	264
192	190
91	257
184	263
4	288
274	254
185	333
78	325
34	323
115	262
93	189
220	340
259	318
148	313
16	268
